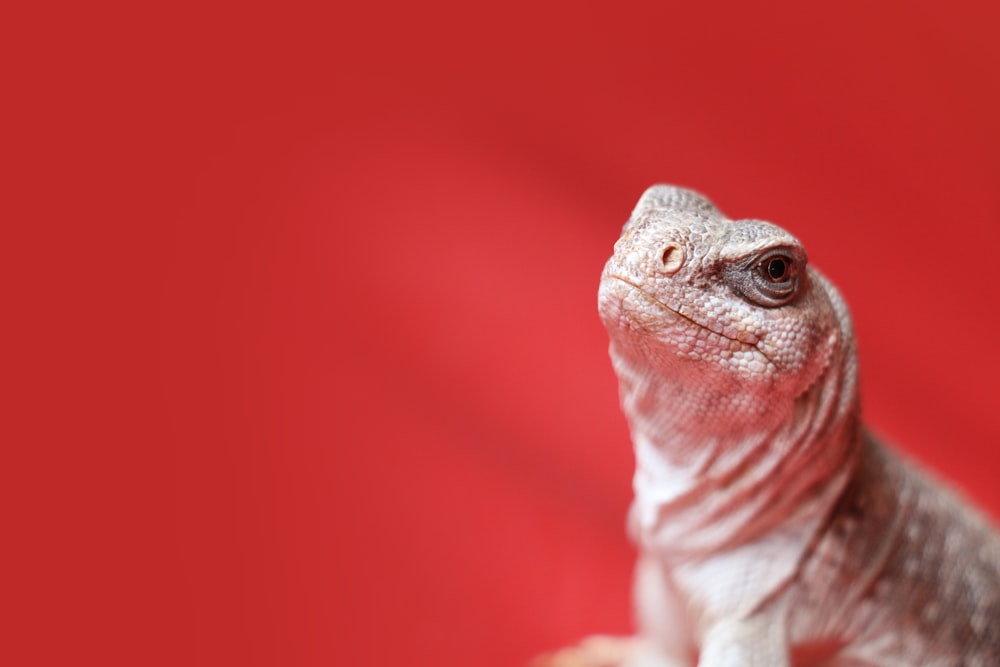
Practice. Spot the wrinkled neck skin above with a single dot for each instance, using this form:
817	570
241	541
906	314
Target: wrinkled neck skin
718	475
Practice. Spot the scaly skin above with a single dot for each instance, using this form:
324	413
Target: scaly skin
772	530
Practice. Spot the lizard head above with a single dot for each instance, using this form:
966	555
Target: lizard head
721	310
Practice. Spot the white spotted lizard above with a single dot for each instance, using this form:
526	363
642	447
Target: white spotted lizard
773	529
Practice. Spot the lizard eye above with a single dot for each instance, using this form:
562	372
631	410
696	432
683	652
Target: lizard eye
768	280
776	269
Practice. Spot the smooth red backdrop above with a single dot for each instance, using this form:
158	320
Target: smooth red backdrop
301	342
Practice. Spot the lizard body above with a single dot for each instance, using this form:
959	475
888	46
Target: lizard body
772	529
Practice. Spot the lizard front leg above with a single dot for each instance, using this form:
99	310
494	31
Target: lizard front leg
757	641
665	633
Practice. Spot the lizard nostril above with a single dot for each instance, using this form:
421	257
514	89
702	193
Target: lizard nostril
671	258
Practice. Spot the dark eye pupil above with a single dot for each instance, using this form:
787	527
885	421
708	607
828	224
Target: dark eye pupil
777	269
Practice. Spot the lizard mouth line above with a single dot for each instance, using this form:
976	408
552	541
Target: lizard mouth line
684	317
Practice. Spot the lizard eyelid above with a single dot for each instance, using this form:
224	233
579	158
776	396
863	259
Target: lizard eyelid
770	278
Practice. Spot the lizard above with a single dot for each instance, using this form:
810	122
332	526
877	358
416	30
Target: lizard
773	529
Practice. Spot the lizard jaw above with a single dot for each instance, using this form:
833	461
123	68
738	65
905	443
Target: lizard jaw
754	345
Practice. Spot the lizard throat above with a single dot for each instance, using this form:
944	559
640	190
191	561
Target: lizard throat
659	304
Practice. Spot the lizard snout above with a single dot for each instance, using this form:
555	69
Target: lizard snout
671	258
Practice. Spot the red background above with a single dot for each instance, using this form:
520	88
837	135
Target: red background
301	337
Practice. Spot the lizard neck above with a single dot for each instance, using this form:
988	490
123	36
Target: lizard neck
704	483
